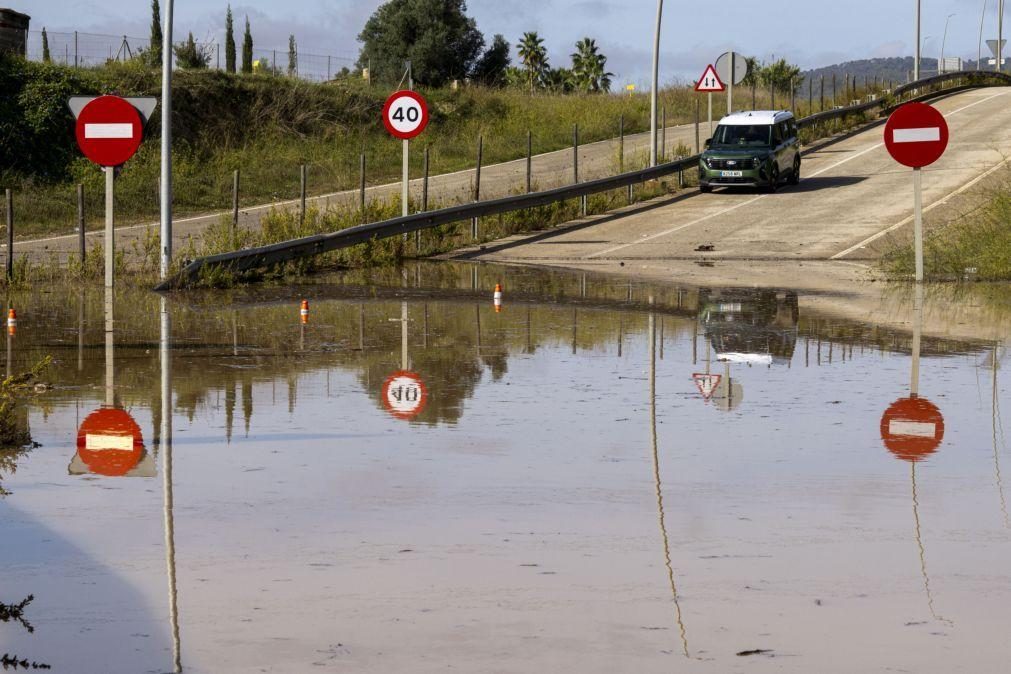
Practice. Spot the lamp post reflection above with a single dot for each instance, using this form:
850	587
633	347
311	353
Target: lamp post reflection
165	353
656	478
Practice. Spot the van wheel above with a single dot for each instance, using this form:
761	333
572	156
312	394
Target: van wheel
705	189
773	179
795	174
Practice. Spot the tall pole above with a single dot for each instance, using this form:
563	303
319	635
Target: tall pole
656	85
1000	34
916	58
166	142
979	44
940	63
918	224
730	86
110	232
165	351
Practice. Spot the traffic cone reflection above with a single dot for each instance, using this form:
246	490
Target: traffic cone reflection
12	321
497	298
304	311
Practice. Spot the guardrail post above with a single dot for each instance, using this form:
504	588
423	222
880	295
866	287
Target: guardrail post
80	221
235	206
361	185
10	233
477	185
301	196
530	161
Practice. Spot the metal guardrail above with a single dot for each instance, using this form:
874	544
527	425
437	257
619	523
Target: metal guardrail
277	253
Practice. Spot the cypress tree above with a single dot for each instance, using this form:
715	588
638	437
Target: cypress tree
229	42
45	47
156	36
247	50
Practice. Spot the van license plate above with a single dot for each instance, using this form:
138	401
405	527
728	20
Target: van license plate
731	174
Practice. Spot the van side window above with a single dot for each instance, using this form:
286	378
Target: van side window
777	133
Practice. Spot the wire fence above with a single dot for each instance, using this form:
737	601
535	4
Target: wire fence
89	50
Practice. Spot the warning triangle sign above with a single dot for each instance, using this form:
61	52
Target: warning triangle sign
709	81
707	384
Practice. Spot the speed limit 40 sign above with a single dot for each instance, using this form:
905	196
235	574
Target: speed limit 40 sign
405	114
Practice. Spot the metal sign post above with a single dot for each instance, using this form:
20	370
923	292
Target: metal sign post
916	135
405	116
110	230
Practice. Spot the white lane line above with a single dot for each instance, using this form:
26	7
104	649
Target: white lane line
108	131
926	209
751	201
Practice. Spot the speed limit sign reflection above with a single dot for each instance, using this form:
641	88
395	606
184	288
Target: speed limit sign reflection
404	395
405	114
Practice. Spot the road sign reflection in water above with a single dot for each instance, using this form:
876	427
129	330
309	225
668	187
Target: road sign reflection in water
405	394
109	442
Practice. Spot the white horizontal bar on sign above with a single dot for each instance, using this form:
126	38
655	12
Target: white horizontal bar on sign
927	135
916	429
97	442
108	130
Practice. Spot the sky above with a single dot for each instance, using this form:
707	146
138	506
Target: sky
810	33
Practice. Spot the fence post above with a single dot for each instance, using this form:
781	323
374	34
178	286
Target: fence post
810	95
80	221
361	185
10	234
424	200
822	104
847	89
793	98
301	195
328	68
663	133
772	95
833	89
235	206
575	166
698	114
75	48
530	159
621	143
754	95
477	185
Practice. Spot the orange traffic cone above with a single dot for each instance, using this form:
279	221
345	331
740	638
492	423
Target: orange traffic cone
304	311
12	321
498	298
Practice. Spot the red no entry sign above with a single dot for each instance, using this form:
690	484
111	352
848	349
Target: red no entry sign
404	394
109	442
405	114
916	135
109	130
912	428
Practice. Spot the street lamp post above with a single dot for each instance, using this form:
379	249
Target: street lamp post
656	85
916	58
166	143
940	63
979	45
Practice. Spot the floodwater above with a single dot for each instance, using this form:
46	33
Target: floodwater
599	477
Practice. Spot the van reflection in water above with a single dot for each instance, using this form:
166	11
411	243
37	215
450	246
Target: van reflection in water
749	325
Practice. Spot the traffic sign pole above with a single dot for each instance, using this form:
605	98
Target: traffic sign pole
110	231
404	191
730	86
918	221
710	114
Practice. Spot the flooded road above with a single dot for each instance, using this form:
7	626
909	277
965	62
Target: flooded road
595	476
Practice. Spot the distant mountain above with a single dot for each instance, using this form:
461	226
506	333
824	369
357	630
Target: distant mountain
896	70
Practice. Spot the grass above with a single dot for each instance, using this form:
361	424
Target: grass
267	126
975	244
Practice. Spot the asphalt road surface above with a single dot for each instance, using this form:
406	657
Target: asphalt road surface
853	200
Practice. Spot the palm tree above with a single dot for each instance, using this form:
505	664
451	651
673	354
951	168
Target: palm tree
534	56
589	67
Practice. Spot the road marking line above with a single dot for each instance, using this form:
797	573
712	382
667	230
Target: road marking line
926	135
926	209
108	131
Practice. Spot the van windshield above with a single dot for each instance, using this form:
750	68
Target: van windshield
752	135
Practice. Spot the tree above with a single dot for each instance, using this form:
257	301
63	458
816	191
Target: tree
247	50
292	56
534	56
436	36
490	69
780	76
157	41
558	80
191	56
589	68
229	42
45	47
